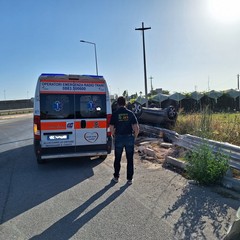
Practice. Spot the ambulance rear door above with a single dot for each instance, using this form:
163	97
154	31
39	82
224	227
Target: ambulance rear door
57	115
91	116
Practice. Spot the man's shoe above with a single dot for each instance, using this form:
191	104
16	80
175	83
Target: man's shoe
129	182
115	179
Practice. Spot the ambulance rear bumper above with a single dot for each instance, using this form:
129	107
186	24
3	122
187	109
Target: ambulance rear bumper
72	151
73	155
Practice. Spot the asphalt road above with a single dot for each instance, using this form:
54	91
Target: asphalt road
75	198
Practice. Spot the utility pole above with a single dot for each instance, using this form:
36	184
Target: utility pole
238	81
151	78
144	59
238	89
208	84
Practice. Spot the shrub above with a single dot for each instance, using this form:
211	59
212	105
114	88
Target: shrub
206	167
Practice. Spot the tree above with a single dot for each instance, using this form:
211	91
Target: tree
165	92
125	93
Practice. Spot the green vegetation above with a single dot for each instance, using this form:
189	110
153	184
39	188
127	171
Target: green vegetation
203	165
206	167
224	127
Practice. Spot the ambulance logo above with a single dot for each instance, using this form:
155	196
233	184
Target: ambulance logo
70	125
91	136
57	106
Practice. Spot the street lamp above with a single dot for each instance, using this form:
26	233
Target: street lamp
95	50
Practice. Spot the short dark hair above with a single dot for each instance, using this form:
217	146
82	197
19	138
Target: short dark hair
121	101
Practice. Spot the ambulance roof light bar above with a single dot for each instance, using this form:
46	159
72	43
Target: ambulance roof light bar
93	76
53	75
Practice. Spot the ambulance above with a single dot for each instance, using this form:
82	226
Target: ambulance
71	117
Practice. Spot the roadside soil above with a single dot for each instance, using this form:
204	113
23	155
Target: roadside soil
159	148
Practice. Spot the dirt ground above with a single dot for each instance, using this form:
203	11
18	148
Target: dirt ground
155	150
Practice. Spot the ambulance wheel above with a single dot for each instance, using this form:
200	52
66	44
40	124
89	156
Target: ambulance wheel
40	161
103	157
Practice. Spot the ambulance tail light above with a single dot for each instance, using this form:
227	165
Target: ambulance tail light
108	123
37	128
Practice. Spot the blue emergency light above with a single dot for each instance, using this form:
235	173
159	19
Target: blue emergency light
53	74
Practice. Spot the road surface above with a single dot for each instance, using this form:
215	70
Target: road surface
75	198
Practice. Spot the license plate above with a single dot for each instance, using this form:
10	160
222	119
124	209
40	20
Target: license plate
58	137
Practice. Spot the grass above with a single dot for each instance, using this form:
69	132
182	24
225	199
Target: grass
223	127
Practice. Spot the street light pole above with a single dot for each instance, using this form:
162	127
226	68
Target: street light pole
95	51
144	59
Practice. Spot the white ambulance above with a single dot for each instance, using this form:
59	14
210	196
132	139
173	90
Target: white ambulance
71	117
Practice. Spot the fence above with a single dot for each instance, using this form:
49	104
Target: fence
15	111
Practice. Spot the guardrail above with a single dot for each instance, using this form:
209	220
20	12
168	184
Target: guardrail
191	142
15	111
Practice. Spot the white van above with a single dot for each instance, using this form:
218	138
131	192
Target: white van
71	117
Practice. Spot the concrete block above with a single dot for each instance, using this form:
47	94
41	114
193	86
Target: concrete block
141	149
175	162
150	152
166	145
144	143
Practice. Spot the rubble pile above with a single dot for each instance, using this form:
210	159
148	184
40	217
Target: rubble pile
155	150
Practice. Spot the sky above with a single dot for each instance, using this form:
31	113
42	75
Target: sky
192	44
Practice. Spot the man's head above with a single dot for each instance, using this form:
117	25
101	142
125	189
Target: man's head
121	101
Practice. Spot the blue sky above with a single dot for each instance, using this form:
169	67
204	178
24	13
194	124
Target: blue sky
192	45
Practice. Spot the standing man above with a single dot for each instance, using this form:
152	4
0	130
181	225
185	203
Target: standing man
124	128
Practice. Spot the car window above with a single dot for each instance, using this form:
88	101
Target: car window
90	106
57	106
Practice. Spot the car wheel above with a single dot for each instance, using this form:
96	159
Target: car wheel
137	109
171	113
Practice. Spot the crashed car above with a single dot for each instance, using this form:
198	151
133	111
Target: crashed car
159	117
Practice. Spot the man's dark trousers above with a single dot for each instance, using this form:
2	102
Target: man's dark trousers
121	142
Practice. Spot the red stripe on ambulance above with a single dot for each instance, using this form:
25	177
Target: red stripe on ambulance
53	125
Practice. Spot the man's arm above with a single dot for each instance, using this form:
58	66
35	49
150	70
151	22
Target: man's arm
135	128
112	129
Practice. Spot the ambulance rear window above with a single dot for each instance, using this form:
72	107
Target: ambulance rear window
57	106
91	106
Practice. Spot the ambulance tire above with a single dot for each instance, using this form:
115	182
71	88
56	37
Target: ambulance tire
40	161
103	157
